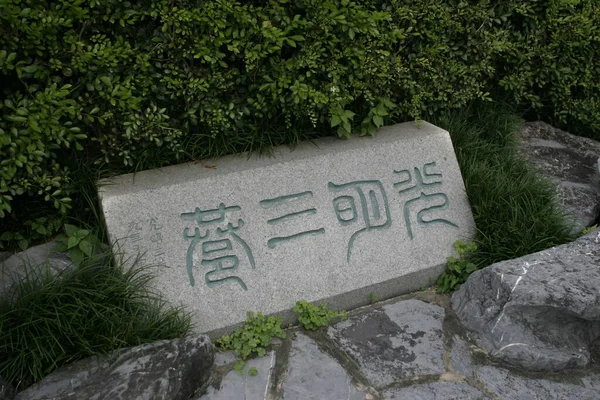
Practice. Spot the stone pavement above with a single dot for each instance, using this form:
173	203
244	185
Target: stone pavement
410	347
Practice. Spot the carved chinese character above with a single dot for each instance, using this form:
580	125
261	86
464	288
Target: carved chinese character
221	247
415	185
361	203
282	200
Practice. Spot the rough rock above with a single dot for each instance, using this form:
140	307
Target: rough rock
313	374
7	391
169	369
4	255
438	391
33	262
507	385
395	342
540	312
571	162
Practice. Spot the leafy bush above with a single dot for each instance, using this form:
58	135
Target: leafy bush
141	84
92	310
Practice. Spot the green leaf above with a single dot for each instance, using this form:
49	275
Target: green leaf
86	247
72	242
380	110
23	243
81	233
335	121
70	229
77	256
377	120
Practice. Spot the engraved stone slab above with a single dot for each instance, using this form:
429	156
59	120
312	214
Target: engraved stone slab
331	221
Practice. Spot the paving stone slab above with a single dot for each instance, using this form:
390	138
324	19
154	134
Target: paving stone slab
460	357
332	222
437	391
507	385
313	375
235	386
395	342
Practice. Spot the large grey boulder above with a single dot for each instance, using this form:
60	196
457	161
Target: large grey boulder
571	162
33	262
165	370
540	312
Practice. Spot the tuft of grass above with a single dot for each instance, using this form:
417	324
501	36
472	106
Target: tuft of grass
93	309
515	210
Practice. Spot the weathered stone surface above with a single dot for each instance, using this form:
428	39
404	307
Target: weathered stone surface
224	358
235	386
460	357
539	312
506	385
33	262
169	369
395	342
4	255
7	391
313	374
571	162
592	382
438	391
332	222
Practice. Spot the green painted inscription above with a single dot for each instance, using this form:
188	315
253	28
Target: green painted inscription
220	245
416	187
374	212
281	200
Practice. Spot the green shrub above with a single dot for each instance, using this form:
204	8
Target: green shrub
141	84
91	310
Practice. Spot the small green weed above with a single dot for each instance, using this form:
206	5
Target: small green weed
313	317
80	243
239	366
589	229
372	298
253	371
254	336
458	269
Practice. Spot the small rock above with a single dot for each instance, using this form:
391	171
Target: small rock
540	312
235	385
33	262
507	385
438	391
571	162
395	342
169	369
313	374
